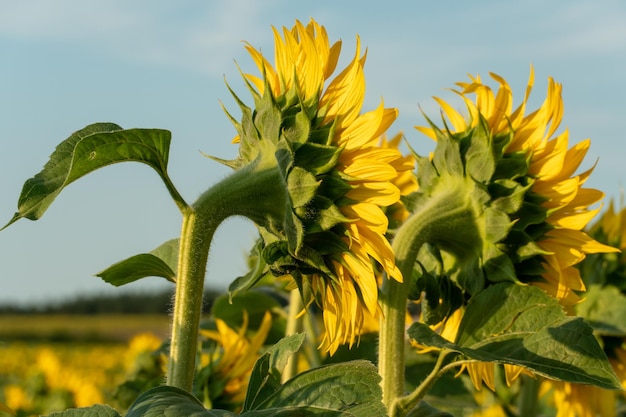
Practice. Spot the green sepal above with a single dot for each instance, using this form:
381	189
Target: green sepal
498	265
508	195
258	269
480	160
522	325
497	224
267	118
302	186
321	215
512	165
317	159
296	129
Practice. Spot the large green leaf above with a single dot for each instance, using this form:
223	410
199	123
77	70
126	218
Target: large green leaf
168	401
93	411
265	379
522	325
161	262
86	150
343	389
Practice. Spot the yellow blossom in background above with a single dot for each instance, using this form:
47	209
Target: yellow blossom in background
577	400
17	399
334	233
37	376
233	359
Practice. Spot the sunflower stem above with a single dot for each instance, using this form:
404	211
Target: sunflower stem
196	235
442	219
405	404
254	192
294	325
529	391
394	296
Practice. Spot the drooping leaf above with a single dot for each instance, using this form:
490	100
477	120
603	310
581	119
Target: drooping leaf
168	401
86	150
349	388
97	410
161	262
522	325
266	375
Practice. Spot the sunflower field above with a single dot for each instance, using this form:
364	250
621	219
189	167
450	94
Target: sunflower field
481	279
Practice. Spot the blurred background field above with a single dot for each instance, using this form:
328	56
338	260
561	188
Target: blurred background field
82	352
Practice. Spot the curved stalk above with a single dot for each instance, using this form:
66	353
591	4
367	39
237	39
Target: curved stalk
255	192
443	219
393	299
195	241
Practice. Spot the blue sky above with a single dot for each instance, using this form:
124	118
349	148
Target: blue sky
155	63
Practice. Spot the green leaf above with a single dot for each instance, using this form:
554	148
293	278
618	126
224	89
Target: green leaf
161	262
522	325
605	310
349	388
266	374
86	150
97	410
168	401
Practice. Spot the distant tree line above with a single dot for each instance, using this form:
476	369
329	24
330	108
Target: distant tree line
159	302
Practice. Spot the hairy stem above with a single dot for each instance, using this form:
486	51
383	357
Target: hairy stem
255	192
403	405
197	233
394	304
442	220
294	325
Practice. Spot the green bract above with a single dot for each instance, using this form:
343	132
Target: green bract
287	137
482	217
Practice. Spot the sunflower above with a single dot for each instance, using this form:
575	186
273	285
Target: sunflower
231	360
326	180
530	180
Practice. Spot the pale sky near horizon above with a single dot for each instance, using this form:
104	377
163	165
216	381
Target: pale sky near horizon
155	63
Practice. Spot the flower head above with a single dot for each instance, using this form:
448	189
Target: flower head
232	359
331	178
520	179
